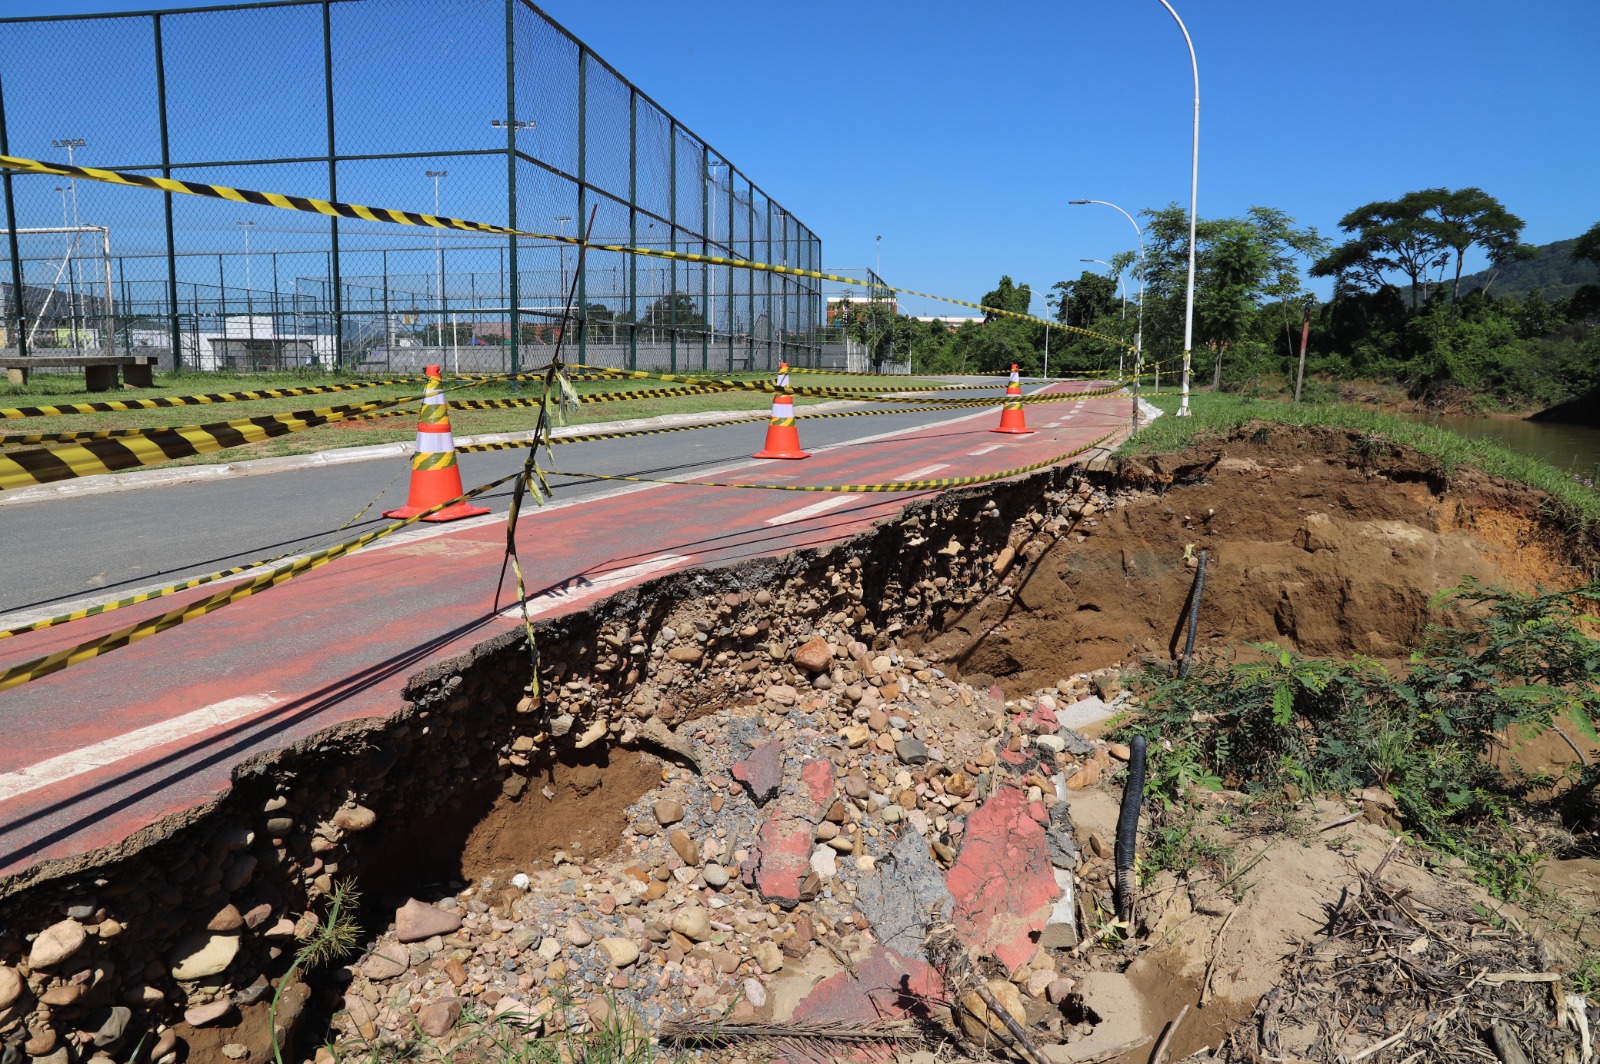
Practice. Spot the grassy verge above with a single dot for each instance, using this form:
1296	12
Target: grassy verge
1225	413
52	389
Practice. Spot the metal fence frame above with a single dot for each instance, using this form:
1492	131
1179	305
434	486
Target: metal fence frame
747	318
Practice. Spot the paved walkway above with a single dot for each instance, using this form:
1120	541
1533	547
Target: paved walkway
115	744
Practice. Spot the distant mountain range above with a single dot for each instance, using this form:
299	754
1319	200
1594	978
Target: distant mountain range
1552	272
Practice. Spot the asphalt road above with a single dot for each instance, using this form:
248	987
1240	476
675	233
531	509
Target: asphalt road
67	553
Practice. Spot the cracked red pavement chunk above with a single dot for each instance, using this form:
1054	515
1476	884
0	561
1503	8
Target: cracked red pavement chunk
818	779
782	860
890	987
1001	881
1045	718
762	771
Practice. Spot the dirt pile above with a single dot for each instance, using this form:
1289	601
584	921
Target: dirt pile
1320	540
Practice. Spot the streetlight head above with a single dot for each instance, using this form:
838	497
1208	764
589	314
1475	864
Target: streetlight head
1077	202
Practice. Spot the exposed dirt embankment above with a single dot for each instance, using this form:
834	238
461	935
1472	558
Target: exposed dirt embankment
1320	540
743	793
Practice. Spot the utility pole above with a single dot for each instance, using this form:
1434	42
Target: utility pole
72	144
1305	337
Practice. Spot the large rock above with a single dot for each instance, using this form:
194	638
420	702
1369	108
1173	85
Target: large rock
11	986
814	655
900	896
437	1019
417	921
976	1017
209	1013
1002	881
203	954
693	922
887	986
56	943
762	771
620	953
386	962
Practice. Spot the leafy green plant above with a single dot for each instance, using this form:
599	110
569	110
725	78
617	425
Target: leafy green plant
1516	665
335	937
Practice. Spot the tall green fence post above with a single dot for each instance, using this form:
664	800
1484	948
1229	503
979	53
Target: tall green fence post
333	186
515	319
583	203
633	227
19	294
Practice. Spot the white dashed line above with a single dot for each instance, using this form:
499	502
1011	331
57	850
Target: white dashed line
65	766
811	511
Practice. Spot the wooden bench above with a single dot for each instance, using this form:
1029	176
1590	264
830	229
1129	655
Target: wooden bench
99	371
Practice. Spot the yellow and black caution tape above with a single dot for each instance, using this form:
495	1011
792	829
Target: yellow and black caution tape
355	211
17	675
863	489
590	397
134	600
159	402
154	430
828	393
46	465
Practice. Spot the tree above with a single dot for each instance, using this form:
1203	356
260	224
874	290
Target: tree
1007	296
1236	269
680	310
1471	217
1085	301
1389	235
1587	249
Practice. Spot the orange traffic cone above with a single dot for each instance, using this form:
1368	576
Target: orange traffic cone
1011	419
783	439
435	477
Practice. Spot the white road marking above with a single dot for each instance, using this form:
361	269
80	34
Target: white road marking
582	587
984	450
811	511
65	766
918	474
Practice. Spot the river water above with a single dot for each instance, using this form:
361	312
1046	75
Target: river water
1575	448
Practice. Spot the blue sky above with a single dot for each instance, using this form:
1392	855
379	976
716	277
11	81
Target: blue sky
958	132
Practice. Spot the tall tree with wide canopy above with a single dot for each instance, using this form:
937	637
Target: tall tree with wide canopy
1471	217
1389	235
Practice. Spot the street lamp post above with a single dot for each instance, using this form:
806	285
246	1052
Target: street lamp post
1194	191
438	249
1138	336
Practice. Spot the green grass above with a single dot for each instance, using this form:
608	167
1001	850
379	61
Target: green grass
1220	414
61	389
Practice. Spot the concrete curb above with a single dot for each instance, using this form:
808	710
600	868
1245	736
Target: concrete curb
104	483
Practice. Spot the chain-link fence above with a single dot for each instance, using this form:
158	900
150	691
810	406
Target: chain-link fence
479	109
